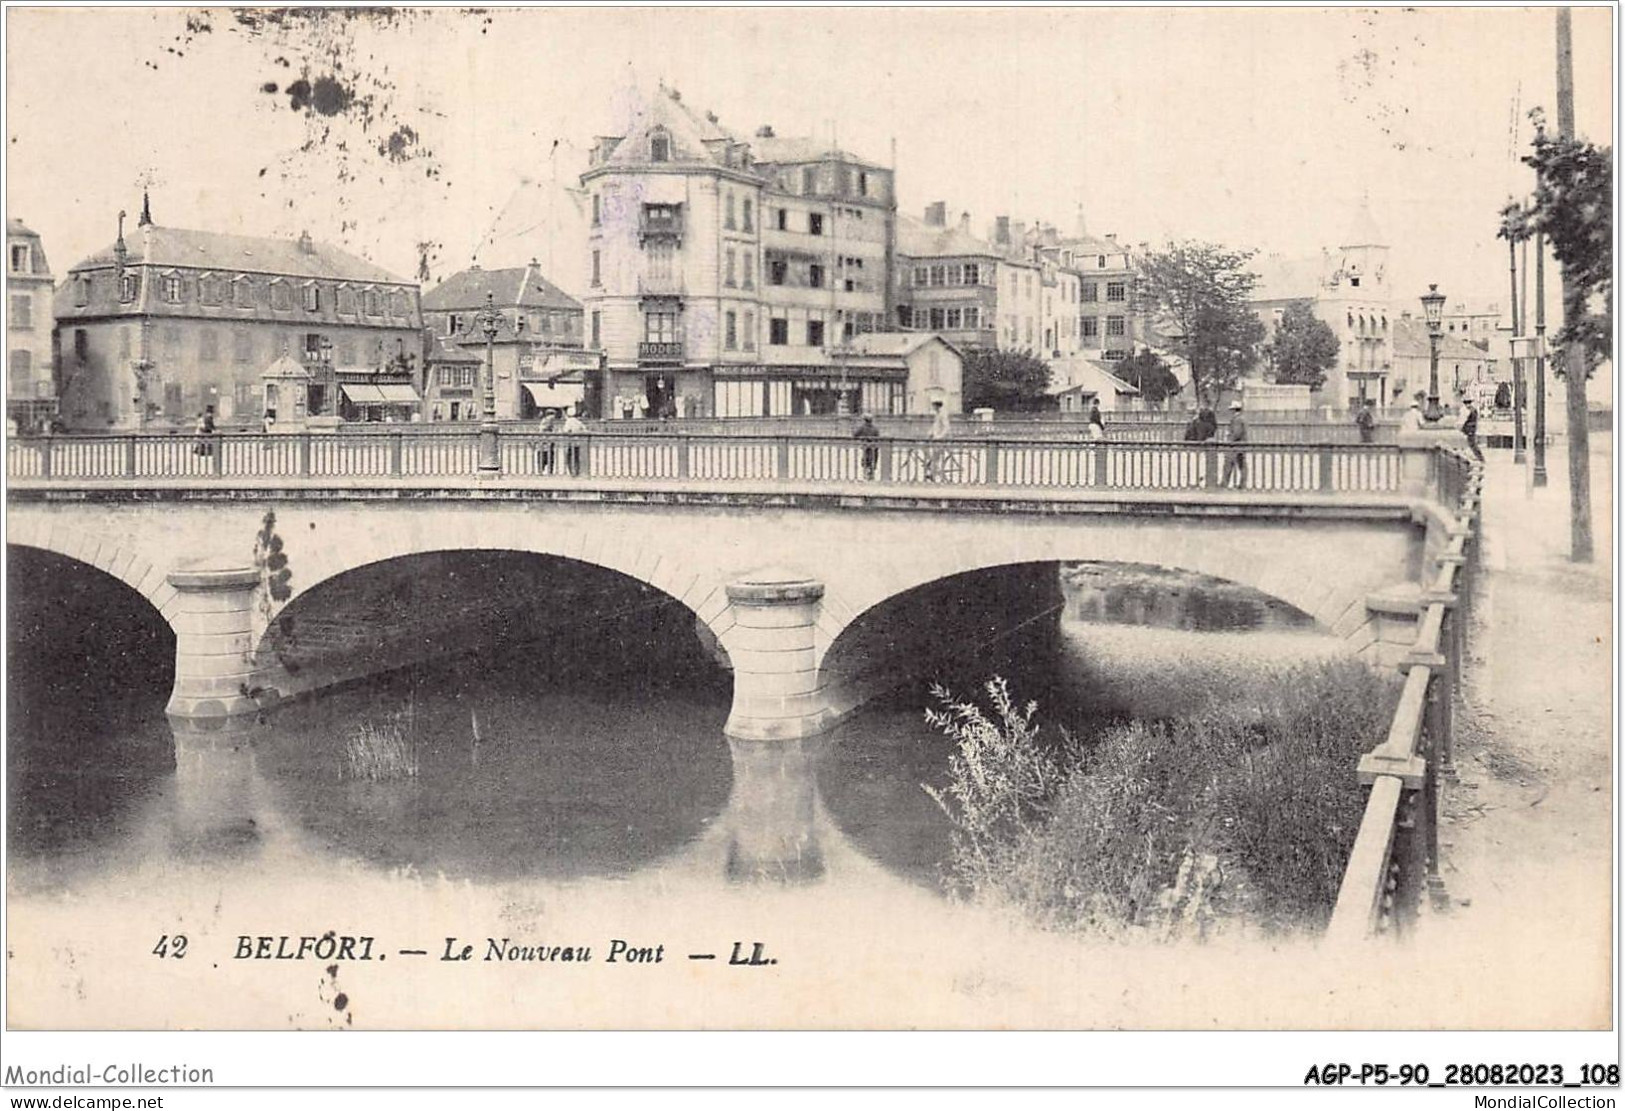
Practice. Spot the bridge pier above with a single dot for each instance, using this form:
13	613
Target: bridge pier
214	641
777	691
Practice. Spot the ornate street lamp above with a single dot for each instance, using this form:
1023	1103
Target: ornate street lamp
1433	310
489	321
330	389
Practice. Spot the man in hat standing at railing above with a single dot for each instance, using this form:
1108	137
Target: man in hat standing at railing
870	435
1235	461
574	430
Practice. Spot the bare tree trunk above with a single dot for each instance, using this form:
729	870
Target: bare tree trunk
1580	547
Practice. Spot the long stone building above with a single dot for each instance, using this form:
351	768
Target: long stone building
160	325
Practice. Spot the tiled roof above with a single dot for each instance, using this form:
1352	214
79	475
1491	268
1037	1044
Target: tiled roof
442	352
894	343
917	239
1410	338
211	250
799	148
16	229
514	287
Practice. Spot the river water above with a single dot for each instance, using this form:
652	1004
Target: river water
547	798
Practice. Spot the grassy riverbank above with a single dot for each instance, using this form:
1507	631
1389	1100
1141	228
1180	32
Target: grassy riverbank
1239	812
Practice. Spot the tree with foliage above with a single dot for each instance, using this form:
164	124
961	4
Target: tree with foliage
1150	374
1303	348
1202	289
1005	380
1573	209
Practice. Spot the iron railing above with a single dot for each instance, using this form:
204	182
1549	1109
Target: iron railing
1173	465
1395	858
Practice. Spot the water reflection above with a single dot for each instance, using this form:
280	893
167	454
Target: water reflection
547	767
1164	598
771	823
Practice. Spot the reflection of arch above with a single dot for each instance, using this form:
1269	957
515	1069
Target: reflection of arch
102	553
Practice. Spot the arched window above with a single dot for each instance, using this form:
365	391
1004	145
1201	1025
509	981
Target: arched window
659	146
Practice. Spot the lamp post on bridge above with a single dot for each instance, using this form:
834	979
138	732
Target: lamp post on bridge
1433	310
489	321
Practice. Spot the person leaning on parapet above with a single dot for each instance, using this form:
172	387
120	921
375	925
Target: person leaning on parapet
1235	462
1469	426
1096	428
940	429
205	433
870	435
1366	421
1412	420
1210	423
573	428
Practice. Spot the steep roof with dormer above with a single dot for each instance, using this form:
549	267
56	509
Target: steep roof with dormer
151	245
513	287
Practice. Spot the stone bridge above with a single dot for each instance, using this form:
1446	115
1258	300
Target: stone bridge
781	571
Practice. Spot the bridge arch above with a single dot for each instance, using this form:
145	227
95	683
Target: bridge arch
1302	577
107	554
649	566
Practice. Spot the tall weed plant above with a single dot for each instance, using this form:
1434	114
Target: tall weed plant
1243	811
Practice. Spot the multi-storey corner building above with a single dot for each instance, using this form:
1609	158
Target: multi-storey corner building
1019	289
536	348
728	276
30	378
150	331
1348	290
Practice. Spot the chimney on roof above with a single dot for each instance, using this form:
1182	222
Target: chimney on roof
711	117
1018	233
1001	231
1083	228
765	131
936	214
306	247
146	211
964	222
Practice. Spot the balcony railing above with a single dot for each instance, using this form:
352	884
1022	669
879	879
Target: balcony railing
666	227
664	352
661	285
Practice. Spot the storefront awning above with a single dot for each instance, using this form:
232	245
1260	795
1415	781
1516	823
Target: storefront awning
554	395
390	393
359	394
399	393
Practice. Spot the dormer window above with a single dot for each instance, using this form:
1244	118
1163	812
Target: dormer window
313	297
19	258
172	289
81	296
129	288
659	146
281	299
242	293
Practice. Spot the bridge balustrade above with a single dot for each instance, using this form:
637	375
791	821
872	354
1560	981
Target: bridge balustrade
1098	464
1395	858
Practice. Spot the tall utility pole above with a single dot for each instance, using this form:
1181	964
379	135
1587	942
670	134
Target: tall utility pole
1540	359
1512	347
1574	355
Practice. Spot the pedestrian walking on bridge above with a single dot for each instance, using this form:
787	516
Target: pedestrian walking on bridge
1235	461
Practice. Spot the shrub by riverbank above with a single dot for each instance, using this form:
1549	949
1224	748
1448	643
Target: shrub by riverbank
1243	810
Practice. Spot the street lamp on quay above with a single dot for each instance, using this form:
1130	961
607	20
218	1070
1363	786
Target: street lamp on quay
490	322
330	389
1433	311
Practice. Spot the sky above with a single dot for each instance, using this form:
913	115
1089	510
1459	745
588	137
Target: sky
1253	127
